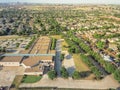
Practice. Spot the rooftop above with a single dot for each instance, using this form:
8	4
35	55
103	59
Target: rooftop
11	59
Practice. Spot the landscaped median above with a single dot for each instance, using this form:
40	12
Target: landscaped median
31	78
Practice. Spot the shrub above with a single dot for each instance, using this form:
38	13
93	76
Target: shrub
76	75
64	72
117	75
52	74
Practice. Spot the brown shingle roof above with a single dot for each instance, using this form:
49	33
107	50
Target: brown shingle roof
11	59
30	61
42	45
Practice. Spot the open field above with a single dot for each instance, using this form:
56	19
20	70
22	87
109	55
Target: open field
56	36
64	46
80	65
33	7
10	37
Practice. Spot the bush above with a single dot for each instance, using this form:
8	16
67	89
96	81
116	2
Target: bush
62	57
117	75
96	72
52	74
76	75
110	68
53	44
64	72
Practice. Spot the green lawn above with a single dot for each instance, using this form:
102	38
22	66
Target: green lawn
65	46
80	65
31	78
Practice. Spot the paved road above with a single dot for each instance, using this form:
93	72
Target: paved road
106	83
57	58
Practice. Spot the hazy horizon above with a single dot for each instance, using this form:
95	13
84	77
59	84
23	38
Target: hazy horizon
65	1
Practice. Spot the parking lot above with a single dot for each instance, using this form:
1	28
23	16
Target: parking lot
7	75
13	44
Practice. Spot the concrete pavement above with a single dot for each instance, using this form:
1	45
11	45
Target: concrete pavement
68	63
105	83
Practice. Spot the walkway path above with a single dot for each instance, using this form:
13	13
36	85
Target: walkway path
106	83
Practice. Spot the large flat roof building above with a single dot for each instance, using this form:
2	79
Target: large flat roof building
33	64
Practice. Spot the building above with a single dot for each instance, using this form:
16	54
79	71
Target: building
34	65
10	61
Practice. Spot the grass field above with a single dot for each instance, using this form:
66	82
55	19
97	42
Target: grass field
31	79
10	37
80	65
56	36
64	46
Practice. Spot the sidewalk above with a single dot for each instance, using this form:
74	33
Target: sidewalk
106	83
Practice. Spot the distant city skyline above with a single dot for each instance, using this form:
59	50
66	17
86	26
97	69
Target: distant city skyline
65	1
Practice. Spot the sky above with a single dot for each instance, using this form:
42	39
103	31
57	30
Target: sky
66	1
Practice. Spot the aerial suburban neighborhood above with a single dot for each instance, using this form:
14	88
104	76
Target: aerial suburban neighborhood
59	46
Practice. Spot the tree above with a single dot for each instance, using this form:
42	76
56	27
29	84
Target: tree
117	75
100	44
96	72
64	72
62	57
110	68
118	55
76	75
52	74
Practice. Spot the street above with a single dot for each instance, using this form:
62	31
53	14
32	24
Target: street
57	58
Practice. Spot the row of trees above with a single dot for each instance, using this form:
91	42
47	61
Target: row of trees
30	43
92	67
109	67
96	56
99	36
53	43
